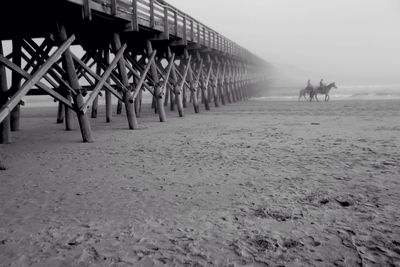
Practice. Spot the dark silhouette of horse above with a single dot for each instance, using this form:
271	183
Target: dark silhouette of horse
322	90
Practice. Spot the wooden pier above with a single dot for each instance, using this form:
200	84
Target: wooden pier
129	46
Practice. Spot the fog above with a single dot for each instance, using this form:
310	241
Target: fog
348	41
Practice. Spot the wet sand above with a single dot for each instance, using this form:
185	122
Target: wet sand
249	184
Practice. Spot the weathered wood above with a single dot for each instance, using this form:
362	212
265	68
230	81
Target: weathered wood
60	113
157	88
176	89
143	76
221	87
55	73
74	82
5	127
87	11
103	79
97	77
192	88
95	104
17	97
152	21
129	108
108	92
205	88
134	22
215	85
166	24
114	7
15	85
20	72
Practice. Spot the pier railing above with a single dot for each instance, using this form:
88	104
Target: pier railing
163	17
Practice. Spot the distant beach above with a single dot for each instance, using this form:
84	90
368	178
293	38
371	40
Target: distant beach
253	183
344	92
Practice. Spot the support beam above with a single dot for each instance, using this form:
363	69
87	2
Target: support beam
108	93
17	97
192	88
5	127
16	84
157	87
176	90
74	82
129	108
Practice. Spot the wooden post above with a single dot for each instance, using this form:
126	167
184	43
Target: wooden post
16	84
95	103
177	92
176	23
138	103
135	24
191	84
113	7
108	93
157	88
184	89
184	30
222	85
198	33
60	113
166	23
74	82
129	108
228	83
5	127
2	166
87	12
191	31
215	85
152	21
167	91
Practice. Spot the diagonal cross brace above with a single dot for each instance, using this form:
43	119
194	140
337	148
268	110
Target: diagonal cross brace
97	77
143	77
113	75
185	73
16	98
40	56
197	79
103	79
41	85
167	74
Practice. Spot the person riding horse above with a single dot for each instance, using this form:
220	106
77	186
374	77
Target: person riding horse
321	83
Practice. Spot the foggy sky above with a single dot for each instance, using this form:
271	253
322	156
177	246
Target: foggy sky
349	41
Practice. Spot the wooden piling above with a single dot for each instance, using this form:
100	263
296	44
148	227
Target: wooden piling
129	108
15	85
95	104
108	93
192	88
74	82
60	113
159	98
5	126
177	92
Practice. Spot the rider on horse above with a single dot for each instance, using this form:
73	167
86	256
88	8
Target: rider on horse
321	83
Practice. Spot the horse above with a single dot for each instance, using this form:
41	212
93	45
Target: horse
322	90
303	92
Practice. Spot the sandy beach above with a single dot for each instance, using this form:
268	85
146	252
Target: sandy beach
258	183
